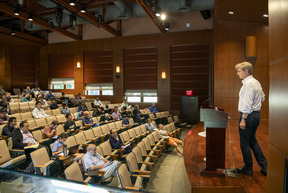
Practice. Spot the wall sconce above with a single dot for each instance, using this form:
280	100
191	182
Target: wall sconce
78	65
251	48
163	76
117	72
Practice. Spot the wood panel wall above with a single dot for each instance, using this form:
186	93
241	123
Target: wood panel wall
278	106
229	50
23	69
160	41
140	68
61	66
189	71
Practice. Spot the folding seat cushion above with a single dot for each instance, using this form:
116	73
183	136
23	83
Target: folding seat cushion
125	178
73	172
6	161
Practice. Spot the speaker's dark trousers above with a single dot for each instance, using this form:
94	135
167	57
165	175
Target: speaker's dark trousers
248	141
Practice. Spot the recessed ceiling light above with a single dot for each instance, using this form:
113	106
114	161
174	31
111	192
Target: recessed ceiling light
265	15
231	12
163	16
157	14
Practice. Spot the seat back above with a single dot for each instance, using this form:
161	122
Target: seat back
32	123
60	129
95	119
158	115
97	131
143	128
31	104
56	112
40	157
70	141
48	112
151	139
17	116
131	161
125	136
23	104
73	172
111	126
124	176
147	143
154	123
26	116
80	138
14	105
137	153
142	148
4	152
118	124
131	121
173	126
105	129
38	135
148	111
78	123
106	147
169	119
131	133
14	110
89	106
151	116
163	114
73	110
50	119
138	130
176	119
89	134
41	122
61	118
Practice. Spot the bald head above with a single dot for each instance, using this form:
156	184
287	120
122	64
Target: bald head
86	114
92	149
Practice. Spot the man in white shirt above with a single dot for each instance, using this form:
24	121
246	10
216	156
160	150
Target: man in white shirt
251	97
94	161
38	112
97	102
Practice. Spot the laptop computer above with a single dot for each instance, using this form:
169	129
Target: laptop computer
71	150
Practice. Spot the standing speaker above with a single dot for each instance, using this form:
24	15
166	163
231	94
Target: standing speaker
189	109
206	14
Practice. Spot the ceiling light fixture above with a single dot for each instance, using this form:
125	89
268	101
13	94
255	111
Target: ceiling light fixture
16	11
167	26
12	33
72	2
163	16
72	21
265	15
231	12
30	17
83	7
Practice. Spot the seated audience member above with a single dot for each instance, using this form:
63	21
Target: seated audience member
50	130
149	126
153	108
58	144
82	106
73	103
80	114
1	90
65	109
98	111
22	138
4	100
97	102
105	118
3	117
88	121
38	112
50	96
124	104
53	105
6	108
43	101
10	127
26	98
171	141
64	99
116	142
37	92
69	124
78	97
94	161
124	111
28	90
137	114
9	98
125	121
116	115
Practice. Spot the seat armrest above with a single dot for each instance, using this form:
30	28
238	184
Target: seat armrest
132	188
142	172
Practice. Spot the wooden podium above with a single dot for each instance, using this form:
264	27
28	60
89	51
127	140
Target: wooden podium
215	122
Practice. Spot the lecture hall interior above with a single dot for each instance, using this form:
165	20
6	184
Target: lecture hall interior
139	95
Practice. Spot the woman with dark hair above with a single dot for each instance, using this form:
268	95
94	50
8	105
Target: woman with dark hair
58	144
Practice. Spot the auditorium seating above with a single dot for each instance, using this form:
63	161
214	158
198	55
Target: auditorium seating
6	161
74	173
126	181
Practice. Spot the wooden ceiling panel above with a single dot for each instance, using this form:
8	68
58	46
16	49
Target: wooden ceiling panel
244	10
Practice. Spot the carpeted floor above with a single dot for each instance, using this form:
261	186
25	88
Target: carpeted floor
167	175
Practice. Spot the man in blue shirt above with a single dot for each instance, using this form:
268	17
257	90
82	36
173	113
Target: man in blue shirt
88	121
117	143
50	96
153	108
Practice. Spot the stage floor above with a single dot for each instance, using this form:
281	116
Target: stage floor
194	153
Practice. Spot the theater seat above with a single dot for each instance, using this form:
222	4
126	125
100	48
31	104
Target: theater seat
133	166
6	161
126	181
73	172
42	163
